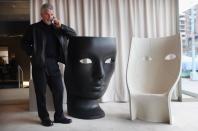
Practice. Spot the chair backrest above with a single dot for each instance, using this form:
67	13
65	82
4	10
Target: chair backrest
154	64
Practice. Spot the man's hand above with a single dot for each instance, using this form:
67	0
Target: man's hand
57	23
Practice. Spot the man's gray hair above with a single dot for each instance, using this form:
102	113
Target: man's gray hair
46	6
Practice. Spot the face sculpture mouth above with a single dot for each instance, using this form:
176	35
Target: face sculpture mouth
98	87
93	91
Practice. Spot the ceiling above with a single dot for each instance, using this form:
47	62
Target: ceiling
14	10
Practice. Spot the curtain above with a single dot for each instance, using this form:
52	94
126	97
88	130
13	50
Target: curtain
117	18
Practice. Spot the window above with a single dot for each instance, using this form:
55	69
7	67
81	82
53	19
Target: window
3	55
188	27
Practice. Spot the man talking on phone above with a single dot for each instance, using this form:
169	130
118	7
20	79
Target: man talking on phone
46	44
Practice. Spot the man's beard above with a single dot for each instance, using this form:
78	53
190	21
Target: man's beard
48	22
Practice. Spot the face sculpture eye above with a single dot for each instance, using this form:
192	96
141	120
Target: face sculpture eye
85	61
109	61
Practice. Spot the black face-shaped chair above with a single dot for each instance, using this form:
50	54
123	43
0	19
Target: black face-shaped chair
91	62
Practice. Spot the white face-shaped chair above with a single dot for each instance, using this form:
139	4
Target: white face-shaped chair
153	70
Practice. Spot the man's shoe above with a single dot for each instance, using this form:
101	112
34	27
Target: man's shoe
46	122
63	120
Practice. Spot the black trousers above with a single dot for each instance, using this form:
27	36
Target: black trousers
50	75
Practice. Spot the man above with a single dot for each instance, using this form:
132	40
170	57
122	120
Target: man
46	44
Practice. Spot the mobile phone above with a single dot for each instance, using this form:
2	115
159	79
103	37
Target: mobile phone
53	19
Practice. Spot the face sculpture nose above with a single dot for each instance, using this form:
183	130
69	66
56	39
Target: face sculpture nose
99	73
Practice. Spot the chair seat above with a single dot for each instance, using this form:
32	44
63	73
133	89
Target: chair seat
152	91
149	94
